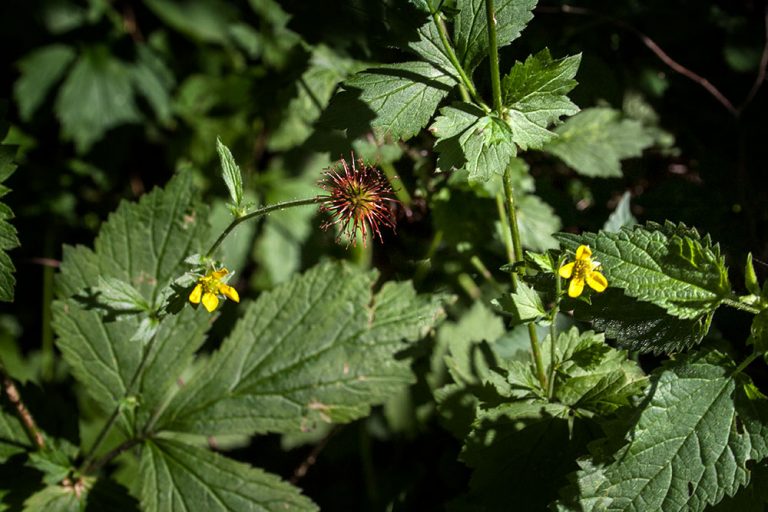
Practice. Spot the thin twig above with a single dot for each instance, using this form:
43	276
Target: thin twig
24	415
672	63
301	471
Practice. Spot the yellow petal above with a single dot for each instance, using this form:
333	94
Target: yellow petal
566	271
210	301
229	292
583	252
576	287
597	281
196	295
219	274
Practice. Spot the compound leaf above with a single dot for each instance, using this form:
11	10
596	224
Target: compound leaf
320	347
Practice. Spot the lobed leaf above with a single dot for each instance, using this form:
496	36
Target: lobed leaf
181	477
8	238
40	71
320	347
670	266
471	32
595	141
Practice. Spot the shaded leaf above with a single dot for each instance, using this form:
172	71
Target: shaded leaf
620	217
8	238
40	71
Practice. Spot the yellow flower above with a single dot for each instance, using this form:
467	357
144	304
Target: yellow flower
208	289
583	270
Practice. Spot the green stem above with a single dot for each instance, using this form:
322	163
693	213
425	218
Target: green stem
746	362
469	286
553	330
465	80
258	213
426	263
47	351
505	229
480	266
518	256
400	191
493	55
734	303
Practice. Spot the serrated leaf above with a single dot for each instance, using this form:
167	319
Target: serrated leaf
684	451
403	96
429	47
621	217
119	295
520	453
54	498
13	437
641	326
469	139
537	223
524	304
95	97
670	266
8	238
595	141
471	34
181	477
535	91
40	71
231	174
592	376
317	348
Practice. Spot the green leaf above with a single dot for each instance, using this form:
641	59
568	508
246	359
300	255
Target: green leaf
471	34
40	71
670	266
230	171
96	96
13	437
119	295
403	96
203	20
54	498
8	238
641	326
595	141
317	348
429	47
621	217
315	88
153	80
535	93
592	376
143	244
180	477
537	223
524	304
469	139
750	277
521	453
684	451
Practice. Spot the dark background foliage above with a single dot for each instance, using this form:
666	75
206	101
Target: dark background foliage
203	79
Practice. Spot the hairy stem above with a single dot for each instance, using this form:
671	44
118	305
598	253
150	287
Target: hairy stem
493	55
553	329
518	256
21	410
259	213
465	80
734	303
746	362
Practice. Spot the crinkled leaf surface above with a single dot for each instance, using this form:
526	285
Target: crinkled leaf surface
8	238
471	32
143	244
670	266
180	477
642	326
535	91
595	141
685	450
403	96
469	139
320	347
